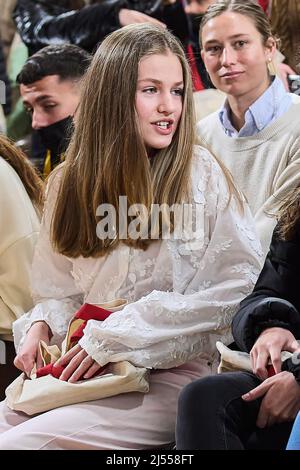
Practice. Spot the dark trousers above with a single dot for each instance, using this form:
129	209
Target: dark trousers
8	372
212	416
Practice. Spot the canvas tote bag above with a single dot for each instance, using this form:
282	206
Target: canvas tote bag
233	361
35	395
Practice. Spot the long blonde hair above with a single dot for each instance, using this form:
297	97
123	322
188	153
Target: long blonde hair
249	8
107	157
289	214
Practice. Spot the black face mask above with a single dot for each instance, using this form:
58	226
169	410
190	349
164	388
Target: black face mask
56	137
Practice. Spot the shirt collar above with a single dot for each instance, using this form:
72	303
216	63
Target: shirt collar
259	114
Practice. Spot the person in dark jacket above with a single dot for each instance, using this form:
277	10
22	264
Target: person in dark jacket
42	23
242	410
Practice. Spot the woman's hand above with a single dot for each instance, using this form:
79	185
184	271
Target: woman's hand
29	353
78	364
270	343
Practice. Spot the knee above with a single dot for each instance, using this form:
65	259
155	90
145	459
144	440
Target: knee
8	442
196	395
205	395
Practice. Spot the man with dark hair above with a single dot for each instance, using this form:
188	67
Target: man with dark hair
50	89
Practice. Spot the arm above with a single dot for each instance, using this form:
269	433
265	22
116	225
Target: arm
166	329
55	294
40	25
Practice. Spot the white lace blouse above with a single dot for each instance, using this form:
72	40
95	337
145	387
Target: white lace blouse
181	293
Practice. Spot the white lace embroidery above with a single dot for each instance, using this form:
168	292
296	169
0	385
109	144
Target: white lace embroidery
181	294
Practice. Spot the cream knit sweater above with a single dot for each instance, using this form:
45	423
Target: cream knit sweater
265	166
19	227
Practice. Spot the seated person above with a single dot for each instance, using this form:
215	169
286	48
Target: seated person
241	410
21	204
50	89
256	133
42	24
182	280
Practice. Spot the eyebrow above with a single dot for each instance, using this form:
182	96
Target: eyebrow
234	36
158	82
39	99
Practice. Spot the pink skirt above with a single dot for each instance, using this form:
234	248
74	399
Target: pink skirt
128	421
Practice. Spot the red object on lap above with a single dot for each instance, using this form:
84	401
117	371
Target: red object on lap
85	313
271	371
88	312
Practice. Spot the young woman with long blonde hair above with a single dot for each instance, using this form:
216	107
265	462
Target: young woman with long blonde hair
134	146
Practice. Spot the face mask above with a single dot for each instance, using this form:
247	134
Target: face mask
56	137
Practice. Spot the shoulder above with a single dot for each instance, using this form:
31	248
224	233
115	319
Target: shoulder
10	182
291	116
295	98
54	181
18	216
204	160
6	170
51	193
209	130
288	126
206	123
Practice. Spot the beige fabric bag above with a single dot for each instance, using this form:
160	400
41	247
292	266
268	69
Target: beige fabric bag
36	395
232	361
45	393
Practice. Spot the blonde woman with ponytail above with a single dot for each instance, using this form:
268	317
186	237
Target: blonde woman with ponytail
102	238
256	133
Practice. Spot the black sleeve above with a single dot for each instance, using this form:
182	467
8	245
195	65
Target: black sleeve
275	300
176	20
40	24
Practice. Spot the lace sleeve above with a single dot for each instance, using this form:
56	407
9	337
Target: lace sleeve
212	273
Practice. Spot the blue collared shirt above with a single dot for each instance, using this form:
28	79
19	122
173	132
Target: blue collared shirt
274	102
